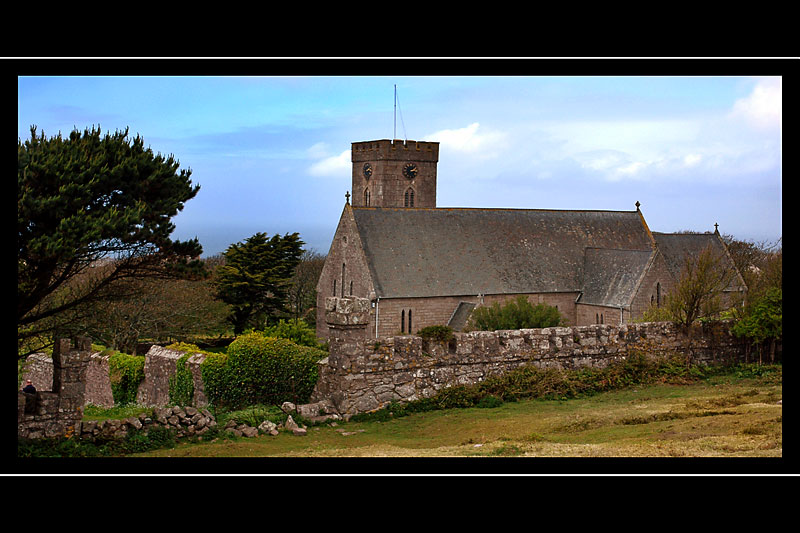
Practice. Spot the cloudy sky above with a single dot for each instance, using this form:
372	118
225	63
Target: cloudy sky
272	153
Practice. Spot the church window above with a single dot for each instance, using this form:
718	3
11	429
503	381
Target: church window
366	197
409	320
409	198
658	294
596	318
403	321
342	280
334	287
351	288
601	318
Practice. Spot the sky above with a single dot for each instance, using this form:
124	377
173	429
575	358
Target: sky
272	153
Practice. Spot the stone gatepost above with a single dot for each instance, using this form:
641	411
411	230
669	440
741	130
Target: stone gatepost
348	320
347	317
58	412
69	373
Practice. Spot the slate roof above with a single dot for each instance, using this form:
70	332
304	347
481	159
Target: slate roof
612	276
676	246
461	251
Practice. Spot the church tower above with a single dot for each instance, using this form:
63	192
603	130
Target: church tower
394	173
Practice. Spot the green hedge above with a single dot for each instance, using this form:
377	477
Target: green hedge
515	314
258	369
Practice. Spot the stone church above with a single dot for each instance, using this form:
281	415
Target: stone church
420	265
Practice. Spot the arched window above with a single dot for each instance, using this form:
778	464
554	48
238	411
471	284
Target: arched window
366	197
409	198
334	287
658	294
351	288
409	321
403	321
342	280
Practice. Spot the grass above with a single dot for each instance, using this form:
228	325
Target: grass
724	416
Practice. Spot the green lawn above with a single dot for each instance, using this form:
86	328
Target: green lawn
722	417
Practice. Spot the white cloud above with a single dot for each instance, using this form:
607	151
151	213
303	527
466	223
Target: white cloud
334	165
483	144
690	160
762	108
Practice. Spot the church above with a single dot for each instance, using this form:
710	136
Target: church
421	265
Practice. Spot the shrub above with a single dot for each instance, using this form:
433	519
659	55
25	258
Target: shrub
297	331
437	333
262	370
126	372
516	314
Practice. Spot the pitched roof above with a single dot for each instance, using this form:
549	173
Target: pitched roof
439	252
675	247
611	276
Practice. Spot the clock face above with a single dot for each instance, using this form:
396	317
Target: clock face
367	170
410	170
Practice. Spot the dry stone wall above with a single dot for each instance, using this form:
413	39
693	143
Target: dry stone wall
160	365
362	375
57	412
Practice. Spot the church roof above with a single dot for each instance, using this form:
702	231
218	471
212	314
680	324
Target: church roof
612	276
461	251
675	247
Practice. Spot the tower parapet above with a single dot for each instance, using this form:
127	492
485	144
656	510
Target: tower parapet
394	173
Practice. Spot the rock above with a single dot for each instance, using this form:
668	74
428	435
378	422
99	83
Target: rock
299	432
267	427
288	407
250	432
291	424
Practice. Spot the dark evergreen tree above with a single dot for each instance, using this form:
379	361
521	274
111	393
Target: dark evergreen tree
255	278
92	210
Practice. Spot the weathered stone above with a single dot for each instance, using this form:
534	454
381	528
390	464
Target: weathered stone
249	432
290	424
267	426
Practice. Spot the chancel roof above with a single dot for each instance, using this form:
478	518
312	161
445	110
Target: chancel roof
451	252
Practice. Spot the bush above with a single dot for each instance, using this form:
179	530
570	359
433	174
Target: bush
259	369
297	331
516	314
437	333
126	372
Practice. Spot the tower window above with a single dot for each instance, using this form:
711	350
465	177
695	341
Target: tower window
342	280
366	197
409	198
351	288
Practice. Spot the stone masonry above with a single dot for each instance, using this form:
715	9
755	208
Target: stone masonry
57	412
362	375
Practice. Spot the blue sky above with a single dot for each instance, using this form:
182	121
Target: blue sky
272	154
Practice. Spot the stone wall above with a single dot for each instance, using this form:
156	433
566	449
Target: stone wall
58	411
75	377
160	365
362	375
97	391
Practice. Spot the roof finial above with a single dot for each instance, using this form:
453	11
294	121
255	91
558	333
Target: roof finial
347	197
716	228
637	205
